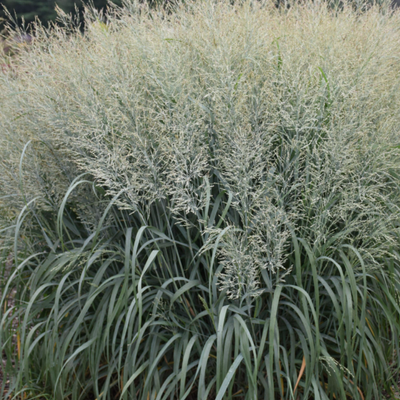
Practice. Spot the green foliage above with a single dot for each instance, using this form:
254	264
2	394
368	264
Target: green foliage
203	204
45	9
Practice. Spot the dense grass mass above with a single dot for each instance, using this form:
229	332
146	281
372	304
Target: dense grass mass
203	203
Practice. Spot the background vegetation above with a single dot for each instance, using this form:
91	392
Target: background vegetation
45	9
203	202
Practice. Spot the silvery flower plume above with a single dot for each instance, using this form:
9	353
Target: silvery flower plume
240	273
269	237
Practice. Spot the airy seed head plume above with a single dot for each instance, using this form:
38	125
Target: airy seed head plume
168	110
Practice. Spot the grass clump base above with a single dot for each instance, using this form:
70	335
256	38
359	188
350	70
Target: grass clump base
203	203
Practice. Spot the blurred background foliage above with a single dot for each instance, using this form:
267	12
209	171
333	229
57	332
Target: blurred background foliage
44	9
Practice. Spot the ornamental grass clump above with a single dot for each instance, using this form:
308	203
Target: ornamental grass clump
202	202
